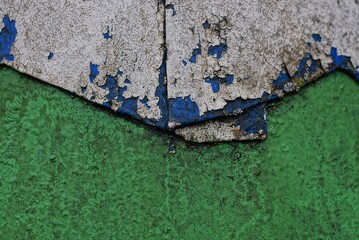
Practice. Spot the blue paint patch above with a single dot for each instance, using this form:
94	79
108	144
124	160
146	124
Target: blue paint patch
304	69
229	79
51	55
7	38
344	63
161	93
120	73
266	97
144	101
172	7
121	91
129	106
338	60
107	104
309	44
307	66
252	121
184	62
214	84
206	25
282	79
216	81
217	50
183	110
111	85
93	72
107	34
317	37
195	53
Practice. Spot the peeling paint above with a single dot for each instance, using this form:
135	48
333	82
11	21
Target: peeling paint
249	125
94	72
217	50
107	34
144	102
234	41
202	69
161	93
195	53
112	87
317	37
7	38
183	110
217	81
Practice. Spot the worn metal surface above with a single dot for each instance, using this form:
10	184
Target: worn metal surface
182	65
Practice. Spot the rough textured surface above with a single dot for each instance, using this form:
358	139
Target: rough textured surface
110	52
222	51
71	171
219	56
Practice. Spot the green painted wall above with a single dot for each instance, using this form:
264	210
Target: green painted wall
69	170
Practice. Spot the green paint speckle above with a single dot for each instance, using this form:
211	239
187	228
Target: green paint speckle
69	170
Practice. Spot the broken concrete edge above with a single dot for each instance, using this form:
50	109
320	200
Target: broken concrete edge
182	112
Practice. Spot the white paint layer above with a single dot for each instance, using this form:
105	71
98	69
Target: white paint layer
260	37
74	32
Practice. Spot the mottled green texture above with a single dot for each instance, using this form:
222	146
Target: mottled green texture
69	170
